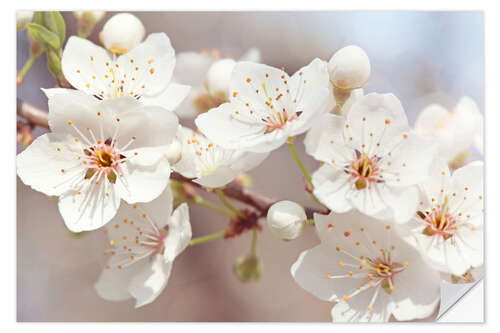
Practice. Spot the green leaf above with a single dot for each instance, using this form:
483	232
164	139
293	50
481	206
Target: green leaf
53	62
43	36
55	23
38	18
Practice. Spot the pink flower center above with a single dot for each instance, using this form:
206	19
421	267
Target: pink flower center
364	170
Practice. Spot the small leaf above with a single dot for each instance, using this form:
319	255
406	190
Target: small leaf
43	36
53	62
38	18
55	23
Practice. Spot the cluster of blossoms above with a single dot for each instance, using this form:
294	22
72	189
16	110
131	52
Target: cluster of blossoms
399	222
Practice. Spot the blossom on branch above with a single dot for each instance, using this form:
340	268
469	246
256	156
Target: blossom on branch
209	164
144	73
372	162
146	238
370	272
266	106
97	153
448	225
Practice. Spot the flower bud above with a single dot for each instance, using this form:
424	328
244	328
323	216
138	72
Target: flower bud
174	151
122	33
248	268
219	75
23	17
286	219
87	21
349	67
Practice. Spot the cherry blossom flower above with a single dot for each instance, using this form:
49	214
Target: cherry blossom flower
144	72
146	239
267	107
455	131
372	161
447	228
97	153
286	219
209	76
368	270
122	31
209	164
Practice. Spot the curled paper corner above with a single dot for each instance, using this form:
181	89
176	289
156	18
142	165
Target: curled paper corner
452	294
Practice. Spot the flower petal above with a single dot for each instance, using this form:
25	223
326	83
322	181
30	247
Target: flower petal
179	233
49	164
218	178
331	187
171	98
143	183
84	65
151	64
90	210
146	286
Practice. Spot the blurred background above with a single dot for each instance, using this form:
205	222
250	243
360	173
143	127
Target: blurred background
421	57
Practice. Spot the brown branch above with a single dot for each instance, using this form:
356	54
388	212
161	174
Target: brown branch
233	190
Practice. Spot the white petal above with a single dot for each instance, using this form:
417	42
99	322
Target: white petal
179	233
402	202
122	31
55	91
170	99
112	284
310	271
331	187
468	184
325	141
155	60
49	164
143	183
376	118
82	214
247	161
84	65
311	90
355	310
218	178
148	284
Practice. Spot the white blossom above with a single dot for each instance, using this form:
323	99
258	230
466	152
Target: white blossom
97	153
370	272
267	107
146	239
447	228
122	32
209	164
144	73
349	67
372	162
286	219
455	131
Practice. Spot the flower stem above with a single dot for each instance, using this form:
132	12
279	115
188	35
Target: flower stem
310	221
26	68
202	202
253	247
299	162
207	238
228	204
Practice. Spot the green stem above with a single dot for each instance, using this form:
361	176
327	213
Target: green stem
202	202
26	68
310	221
207	238
228	204
253	247
299	162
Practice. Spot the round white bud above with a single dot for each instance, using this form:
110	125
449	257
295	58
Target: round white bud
349	67
23	17
122	33
219	75
174	151
286	219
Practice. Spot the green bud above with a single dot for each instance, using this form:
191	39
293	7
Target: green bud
248	268
53	62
